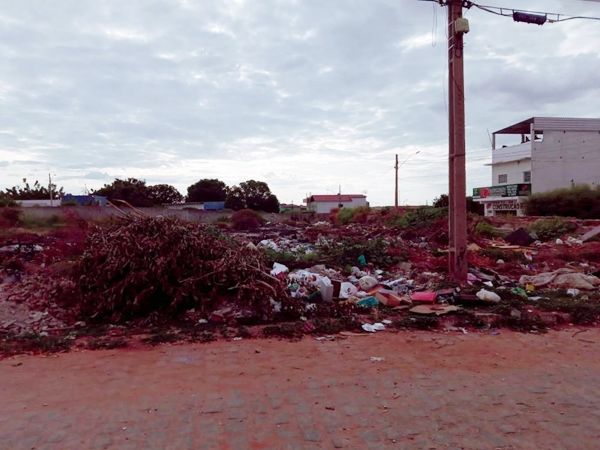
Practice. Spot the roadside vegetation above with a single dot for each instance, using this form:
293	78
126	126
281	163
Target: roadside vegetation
582	202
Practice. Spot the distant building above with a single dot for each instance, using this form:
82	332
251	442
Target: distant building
201	206
84	200
554	152
323	204
38	203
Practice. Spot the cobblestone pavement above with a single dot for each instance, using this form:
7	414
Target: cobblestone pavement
408	390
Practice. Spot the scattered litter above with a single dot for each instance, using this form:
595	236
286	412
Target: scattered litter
347	290
593	233
279	269
377	358
368	302
423	296
372	328
438	310
488	296
565	278
367	283
520	237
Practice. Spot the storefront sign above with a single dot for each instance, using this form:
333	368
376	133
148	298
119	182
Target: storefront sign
506	205
508	190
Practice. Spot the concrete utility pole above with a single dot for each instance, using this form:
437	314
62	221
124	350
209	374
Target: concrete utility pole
396	189
457	204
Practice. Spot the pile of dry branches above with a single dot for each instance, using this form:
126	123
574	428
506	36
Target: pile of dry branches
139	266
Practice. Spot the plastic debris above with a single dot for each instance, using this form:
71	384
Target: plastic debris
389	298
325	288
368	302
347	290
591	234
372	328
520	237
488	296
367	282
565	278
377	358
279	269
423	296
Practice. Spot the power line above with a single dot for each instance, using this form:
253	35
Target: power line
528	16
521	15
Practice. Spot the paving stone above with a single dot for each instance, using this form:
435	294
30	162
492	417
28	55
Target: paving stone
312	435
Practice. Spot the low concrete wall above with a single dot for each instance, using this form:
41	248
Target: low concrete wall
97	213
101	213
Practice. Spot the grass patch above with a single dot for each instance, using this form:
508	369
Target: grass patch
582	311
291	259
487	230
418	218
341	252
505	255
547	229
353	215
34	343
37	223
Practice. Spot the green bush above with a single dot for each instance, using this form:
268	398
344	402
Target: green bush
485	229
472	206
53	221
291	259
341	252
547	229
355	215
418	218
580	201
7	203
11	217
246	219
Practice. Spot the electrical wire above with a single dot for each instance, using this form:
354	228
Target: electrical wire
508	12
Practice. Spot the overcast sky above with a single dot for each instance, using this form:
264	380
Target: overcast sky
305	95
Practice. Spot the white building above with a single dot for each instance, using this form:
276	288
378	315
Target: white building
553	153
323	204
38	203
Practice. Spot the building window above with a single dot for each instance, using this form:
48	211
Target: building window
502	178
527	176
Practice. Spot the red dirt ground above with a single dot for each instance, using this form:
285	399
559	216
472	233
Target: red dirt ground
422	390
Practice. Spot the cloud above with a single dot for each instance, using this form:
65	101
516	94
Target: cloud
305	95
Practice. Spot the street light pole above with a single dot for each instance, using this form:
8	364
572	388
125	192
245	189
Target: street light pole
396	188
396	166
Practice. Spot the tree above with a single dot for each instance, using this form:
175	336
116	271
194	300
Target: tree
164	193
207	190
441	201
35	192
472	206
235	199
131	190
252	194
